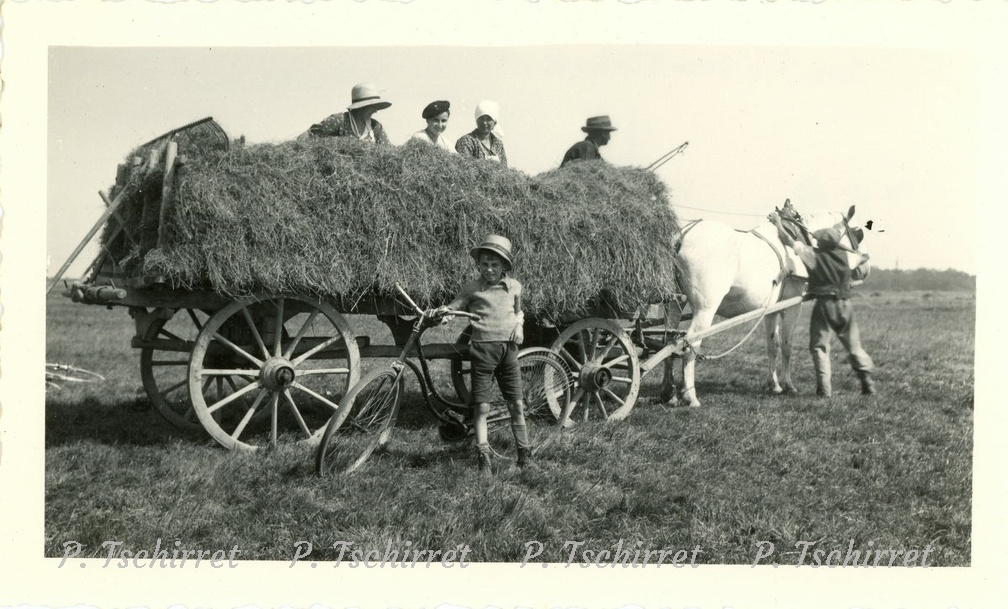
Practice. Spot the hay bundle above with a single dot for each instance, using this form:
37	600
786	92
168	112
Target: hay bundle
341	219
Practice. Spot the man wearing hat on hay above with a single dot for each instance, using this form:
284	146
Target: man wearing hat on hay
356	121
829	284
484	142
598	129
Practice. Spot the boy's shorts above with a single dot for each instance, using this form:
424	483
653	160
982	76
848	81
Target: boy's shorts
490	359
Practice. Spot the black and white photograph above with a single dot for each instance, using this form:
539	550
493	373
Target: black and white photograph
604	303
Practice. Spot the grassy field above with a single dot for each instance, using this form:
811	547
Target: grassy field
746	467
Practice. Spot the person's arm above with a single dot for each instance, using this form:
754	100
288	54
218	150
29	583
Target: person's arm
331	125
459	304
519	332
805	253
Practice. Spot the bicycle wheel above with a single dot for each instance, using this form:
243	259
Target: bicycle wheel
362	422
546	389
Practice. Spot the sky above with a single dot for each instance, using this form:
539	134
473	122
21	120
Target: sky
892	131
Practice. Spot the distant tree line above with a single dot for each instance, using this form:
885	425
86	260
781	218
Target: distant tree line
949	280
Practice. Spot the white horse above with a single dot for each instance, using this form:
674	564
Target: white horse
728	272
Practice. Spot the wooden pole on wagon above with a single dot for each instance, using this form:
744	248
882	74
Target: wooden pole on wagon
87	238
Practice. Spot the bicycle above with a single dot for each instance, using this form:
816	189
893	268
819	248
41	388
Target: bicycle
367	413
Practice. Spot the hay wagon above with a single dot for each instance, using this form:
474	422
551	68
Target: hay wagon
280	362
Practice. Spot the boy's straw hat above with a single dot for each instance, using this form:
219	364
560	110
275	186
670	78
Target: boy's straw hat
496	244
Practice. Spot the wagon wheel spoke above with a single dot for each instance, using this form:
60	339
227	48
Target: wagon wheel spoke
278	332
195	319
612	395
255	333
234	396
248	415
170	335
307	354
274	418
606	349
570	360
601	404
297	414
238	350
323	371
167	390
595	335
317	396
229	372
617	361
300	334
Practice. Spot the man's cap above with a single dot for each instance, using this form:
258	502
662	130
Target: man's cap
598	123
435	107
496	244
364	95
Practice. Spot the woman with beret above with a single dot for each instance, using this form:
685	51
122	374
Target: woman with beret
436	113
483	142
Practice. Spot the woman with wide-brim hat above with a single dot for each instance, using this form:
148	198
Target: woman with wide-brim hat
484	142
356	122
436	114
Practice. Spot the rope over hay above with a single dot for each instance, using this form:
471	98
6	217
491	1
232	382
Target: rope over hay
344	220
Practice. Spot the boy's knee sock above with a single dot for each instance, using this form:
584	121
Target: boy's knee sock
520	431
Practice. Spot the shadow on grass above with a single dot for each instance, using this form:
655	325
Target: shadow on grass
121	421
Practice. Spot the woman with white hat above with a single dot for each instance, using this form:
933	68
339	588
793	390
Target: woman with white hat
356	121
436	114
483	142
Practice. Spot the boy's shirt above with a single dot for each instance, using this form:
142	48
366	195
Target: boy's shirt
498	306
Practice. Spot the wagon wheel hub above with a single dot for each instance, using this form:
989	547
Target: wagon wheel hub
277	373
595	376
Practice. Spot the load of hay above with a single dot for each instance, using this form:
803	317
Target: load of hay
345	220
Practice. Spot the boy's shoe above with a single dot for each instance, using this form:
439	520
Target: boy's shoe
525	458
867	385
483	460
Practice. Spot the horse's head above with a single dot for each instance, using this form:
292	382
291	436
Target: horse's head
851	237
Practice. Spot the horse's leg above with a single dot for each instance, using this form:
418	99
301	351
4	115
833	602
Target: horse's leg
789	320
669	394
773	324
702	320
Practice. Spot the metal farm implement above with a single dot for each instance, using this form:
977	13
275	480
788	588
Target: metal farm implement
263	369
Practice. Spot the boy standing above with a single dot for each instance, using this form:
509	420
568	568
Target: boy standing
829	285
493	348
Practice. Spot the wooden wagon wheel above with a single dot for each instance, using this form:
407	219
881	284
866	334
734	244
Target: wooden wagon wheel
605	367
293	357
164	366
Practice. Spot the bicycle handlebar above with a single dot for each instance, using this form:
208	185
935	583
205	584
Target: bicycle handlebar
471	316
420	311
